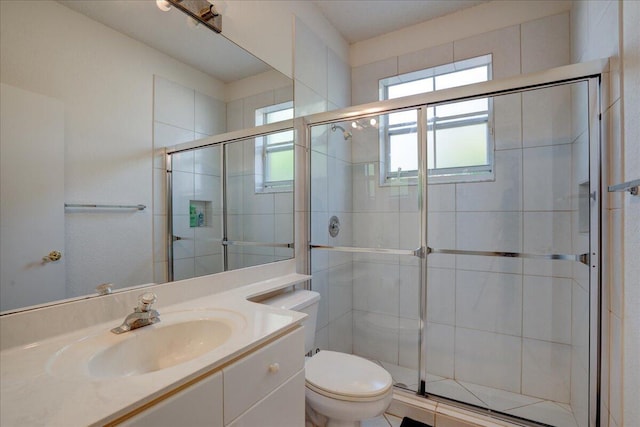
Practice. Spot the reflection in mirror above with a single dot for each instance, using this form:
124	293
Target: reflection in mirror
92	92
233	213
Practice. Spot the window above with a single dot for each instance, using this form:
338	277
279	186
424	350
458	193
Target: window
274	152
459	135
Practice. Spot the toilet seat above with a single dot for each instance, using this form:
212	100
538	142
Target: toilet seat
346	377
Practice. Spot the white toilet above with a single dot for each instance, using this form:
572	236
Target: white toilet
341	389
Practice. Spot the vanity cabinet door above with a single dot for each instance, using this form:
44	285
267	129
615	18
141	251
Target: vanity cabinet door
255	376
196	406
283	407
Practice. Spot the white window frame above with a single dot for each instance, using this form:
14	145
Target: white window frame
263	148
438	175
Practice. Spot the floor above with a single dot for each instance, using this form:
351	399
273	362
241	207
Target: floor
384	420
545	411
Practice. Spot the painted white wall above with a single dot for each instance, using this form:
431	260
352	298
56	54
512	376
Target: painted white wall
105	81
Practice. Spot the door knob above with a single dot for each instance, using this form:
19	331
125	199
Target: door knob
53	256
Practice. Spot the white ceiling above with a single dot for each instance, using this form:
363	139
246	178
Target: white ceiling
359	20
169	32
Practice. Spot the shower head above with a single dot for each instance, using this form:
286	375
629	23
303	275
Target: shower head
346	134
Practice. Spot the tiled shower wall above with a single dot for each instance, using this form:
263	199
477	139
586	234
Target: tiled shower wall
182	114
323	83
517	307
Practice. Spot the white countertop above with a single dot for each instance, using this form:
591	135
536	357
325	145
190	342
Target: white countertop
33	394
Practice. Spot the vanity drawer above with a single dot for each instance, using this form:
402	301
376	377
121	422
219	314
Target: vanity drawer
253	377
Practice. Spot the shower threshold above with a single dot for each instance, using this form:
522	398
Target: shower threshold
531	408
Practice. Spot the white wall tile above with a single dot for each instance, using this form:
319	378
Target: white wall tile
165	135
183	268
497	354
159	238
319	182
256	203
159	192
441	197
502	194
507	125
210	115
251	103
494	264
182	162
365	79
376	288
208	264
341	333
183	192
546	116
409	292
338	80
376	230
545	43
546	370
310	59
375	336
308	101
184	248
547	309
408	343
235	115
425	58
547	233
489	301
440	349
173	104
340	198
441	295
207	161
320	284
489	231
547	178
208	188
340	294
503	44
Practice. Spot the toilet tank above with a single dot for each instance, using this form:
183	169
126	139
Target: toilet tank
305	302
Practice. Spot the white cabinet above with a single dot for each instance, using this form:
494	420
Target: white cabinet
256	375
264	388
283	407
195	406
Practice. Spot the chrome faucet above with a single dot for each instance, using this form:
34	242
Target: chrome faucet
143	314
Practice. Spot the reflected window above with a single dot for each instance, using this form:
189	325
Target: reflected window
459	135
274	152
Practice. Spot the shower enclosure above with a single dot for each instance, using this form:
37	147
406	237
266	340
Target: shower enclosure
225	211
454	239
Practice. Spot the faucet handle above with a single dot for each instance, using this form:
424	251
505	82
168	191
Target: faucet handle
146	300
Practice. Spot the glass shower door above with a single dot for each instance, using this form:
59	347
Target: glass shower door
509	283
365	229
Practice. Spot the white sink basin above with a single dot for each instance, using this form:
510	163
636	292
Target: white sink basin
178	338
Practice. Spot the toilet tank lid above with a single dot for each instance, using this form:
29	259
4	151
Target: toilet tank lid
293	300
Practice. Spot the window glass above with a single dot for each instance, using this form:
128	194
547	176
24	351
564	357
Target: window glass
274	153
458	134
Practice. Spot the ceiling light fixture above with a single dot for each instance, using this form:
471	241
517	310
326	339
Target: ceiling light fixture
163	5
202	11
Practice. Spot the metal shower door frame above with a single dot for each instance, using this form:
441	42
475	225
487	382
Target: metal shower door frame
590	72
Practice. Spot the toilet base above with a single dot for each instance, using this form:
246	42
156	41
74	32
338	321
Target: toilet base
340	413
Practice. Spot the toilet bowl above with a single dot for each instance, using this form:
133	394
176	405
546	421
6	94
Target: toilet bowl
341	389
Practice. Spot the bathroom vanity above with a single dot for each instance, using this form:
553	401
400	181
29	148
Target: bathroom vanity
218	360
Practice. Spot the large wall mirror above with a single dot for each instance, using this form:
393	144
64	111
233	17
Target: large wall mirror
92	93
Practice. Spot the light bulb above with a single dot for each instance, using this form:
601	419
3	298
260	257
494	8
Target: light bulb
354	125
372	122
163	5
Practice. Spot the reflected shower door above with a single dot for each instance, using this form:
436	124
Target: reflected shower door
365	227
196	212
508	298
